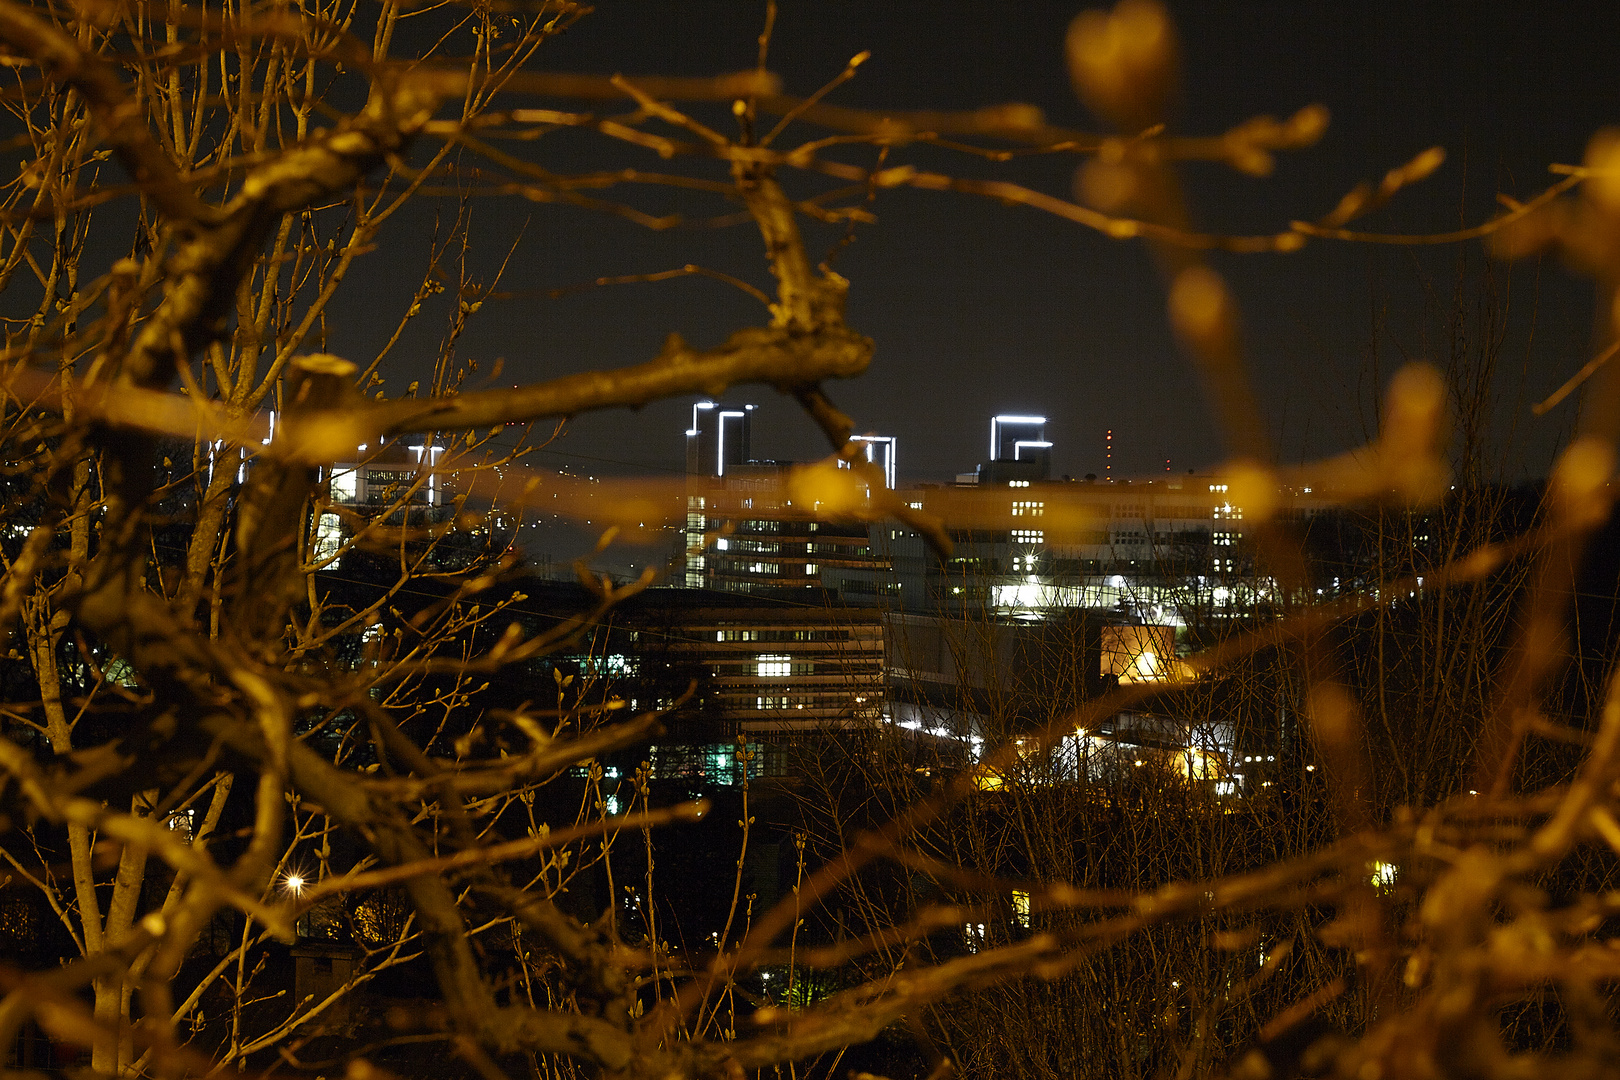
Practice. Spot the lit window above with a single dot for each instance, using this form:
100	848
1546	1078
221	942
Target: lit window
1198	764
345	486
329	539
1020	907
811	568
772	665
1383	875
182	822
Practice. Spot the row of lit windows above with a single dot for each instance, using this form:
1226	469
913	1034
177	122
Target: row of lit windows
767	525
1031	509
766	667
761	546
781	635
783	701
383	485
715	763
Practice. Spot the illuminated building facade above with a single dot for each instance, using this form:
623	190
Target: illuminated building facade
399	482
393	473
743	533
1158	551
1120	567
763	664
778	670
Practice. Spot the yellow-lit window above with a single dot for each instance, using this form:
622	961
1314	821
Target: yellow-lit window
771	665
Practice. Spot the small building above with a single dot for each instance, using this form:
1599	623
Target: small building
321	968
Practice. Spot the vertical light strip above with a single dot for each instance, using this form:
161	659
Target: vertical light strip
720	457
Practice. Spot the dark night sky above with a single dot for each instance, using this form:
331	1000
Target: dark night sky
978	308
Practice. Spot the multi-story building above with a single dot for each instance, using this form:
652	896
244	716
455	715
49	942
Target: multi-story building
399	483
394	481
775	669
761	663
1156	550
743	532
1095	579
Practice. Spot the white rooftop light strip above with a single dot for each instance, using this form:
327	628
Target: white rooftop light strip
889	444
429	456
720	455
1034	444
1007	418
693	430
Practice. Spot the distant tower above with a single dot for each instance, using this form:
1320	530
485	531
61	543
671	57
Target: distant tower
719	441
1108	456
